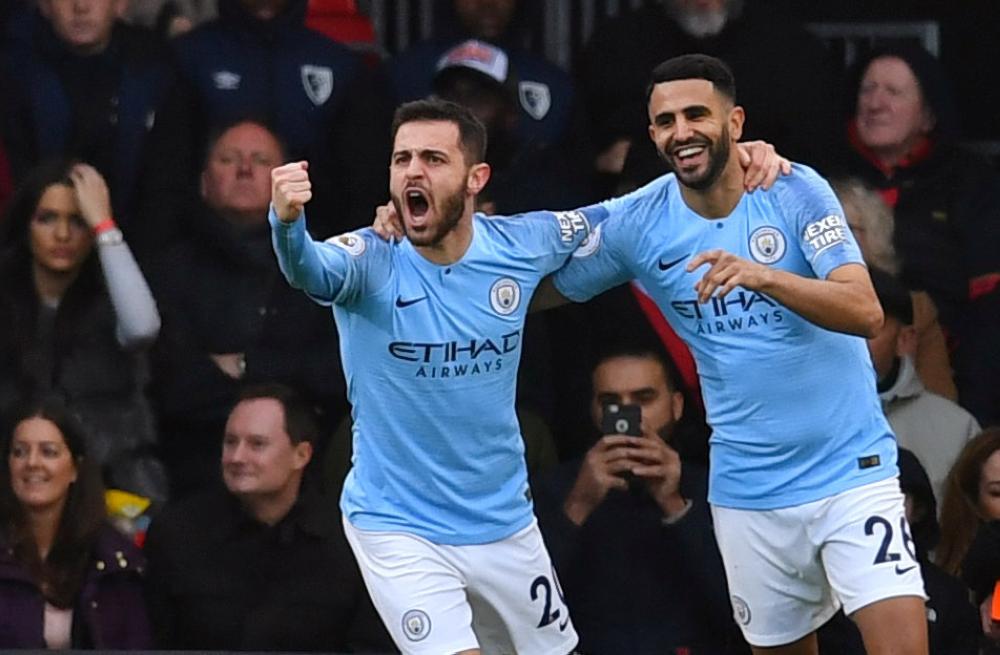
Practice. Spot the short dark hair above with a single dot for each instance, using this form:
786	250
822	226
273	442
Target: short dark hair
301	421
471	132
694	67
641	351
893	295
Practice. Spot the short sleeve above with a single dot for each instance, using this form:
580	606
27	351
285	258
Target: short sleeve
815	214
547	237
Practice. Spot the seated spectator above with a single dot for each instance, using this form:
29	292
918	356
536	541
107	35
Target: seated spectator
67	578
952	625
870	219
264	564
229	318
544	95
933	427
791	103
946	204
76	316
526	174
258	60
971	496
87	85
629	527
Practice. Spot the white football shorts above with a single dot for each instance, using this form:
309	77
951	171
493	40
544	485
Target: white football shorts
790	569
501	597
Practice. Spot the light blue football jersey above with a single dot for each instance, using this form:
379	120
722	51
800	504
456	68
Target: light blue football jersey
430	354
793	408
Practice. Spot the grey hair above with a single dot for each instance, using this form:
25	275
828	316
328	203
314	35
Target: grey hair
864	207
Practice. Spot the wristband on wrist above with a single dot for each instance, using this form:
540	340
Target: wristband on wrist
106	225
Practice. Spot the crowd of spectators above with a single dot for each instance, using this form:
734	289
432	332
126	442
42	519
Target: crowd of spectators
148	342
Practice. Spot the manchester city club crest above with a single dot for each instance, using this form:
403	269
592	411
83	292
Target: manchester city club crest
317	82
741	610
767	244
536	99
416	625
505	296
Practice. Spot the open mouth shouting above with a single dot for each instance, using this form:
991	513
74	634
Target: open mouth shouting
418	206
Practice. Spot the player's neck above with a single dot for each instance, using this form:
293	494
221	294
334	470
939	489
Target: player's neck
453	245
720	199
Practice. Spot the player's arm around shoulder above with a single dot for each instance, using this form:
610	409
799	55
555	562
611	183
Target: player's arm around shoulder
545	237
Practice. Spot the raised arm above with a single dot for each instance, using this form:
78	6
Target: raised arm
137	319
320	272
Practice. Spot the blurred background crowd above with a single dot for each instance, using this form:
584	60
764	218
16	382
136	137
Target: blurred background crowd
164	388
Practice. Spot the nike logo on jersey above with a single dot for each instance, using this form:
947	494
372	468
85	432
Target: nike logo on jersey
665	266
410	301
902	570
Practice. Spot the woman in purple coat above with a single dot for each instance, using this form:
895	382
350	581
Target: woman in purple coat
67	578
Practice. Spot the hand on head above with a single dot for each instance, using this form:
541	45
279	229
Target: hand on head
761	164
92	195
387	223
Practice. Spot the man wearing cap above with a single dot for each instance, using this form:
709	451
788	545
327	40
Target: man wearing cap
545	97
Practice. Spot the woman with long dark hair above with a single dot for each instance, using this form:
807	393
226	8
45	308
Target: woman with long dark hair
971	497
76	315
67	578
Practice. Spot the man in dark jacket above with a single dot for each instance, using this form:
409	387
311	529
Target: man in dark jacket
629	527
258	60
544	93
84	84
228	317
946	206
263	565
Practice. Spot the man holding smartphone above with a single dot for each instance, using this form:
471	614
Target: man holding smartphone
628	525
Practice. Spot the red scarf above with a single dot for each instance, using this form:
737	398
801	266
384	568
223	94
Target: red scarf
921	150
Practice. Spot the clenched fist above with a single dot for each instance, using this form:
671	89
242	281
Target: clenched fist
290	190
